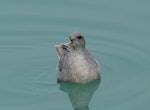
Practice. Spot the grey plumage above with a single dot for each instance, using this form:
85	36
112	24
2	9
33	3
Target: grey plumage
76	64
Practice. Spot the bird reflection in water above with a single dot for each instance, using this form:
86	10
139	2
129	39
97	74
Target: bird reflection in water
80	94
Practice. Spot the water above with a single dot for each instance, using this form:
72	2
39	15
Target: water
117	34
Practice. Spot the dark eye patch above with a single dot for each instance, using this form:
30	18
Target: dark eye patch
79	37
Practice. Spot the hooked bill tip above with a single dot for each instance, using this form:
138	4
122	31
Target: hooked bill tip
70	43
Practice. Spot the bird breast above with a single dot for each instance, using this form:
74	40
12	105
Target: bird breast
79	68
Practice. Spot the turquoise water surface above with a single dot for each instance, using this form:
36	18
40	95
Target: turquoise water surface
117	34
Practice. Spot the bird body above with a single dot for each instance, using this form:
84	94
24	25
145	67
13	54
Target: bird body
75	62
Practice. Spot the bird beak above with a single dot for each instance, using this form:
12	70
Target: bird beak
70	43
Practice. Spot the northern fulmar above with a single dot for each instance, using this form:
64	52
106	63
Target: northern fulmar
76	64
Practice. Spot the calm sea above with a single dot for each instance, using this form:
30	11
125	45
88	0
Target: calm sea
117	34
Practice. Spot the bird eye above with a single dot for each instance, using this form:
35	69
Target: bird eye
79	37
